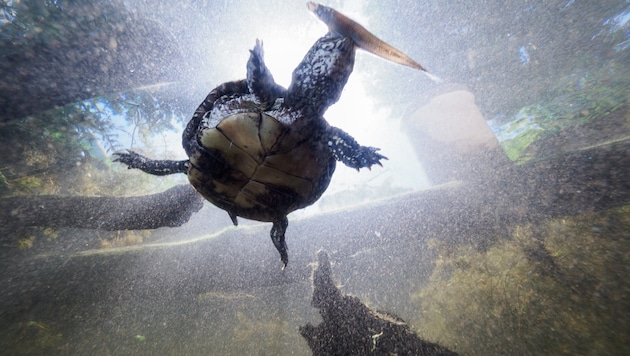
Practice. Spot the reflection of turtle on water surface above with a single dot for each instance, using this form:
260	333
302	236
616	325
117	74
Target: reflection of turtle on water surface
260	151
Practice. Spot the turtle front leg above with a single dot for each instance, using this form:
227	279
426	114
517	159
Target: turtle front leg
151	166
347	150
277	236
260	81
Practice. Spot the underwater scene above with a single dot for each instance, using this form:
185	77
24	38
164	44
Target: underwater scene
286	177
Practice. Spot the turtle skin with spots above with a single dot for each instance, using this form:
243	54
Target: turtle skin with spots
260	151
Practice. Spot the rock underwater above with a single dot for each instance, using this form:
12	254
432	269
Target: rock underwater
351	328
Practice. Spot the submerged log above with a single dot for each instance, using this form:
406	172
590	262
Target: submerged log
351	328
172	207
578	182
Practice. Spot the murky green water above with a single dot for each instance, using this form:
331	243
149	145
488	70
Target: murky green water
499	224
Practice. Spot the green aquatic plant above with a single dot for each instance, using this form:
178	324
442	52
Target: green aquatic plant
515	147
578	100
25	238
115	239
34	337
26	242
28	184
559	288
263	333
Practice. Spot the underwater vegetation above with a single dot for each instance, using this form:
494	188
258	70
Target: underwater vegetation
558	288
254	333
60	151
36	337
125	238
579	100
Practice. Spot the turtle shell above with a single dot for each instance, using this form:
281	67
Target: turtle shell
256	164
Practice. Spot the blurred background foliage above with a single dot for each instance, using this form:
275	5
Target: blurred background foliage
60	151
65	150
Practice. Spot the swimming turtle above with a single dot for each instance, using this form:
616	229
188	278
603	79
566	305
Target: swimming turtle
260	151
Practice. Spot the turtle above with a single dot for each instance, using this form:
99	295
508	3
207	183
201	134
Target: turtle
260	151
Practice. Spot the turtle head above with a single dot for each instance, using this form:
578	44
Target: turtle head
364	39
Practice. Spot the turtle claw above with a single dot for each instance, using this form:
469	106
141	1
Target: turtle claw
130	158
284	258
369	157
347	150
366	158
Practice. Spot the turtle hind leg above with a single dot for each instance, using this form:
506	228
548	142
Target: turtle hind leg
277	236
151	166
347	150
260	81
